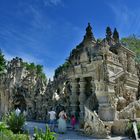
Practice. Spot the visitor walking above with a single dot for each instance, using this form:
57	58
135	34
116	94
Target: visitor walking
73	121
52	115
62	122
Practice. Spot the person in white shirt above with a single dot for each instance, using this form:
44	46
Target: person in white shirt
17	111
52	119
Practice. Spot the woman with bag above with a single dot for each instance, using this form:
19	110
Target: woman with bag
62	122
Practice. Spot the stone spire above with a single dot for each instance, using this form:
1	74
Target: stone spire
116	35
108	34
89	35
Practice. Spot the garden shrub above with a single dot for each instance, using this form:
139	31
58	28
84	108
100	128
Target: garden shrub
47	135
2	126
130	131
138	126
14	122
6	134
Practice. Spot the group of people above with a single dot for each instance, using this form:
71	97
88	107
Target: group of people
62	125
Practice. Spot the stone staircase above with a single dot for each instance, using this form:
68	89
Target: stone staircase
94	126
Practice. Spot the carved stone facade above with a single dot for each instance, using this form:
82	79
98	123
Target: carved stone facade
103	77
112	70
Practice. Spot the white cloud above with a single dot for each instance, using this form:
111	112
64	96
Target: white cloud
52	2
25	57
49	72
127	19
8	56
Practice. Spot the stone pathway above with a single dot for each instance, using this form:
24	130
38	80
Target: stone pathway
70	135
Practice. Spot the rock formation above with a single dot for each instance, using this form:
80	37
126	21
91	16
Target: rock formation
23	88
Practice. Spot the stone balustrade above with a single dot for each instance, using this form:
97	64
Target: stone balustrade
113	58
93	125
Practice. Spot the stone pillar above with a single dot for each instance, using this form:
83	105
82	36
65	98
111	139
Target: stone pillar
74	95
82	97
93	85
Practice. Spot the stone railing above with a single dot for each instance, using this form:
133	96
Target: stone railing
113	58
93	125
116	75
130	111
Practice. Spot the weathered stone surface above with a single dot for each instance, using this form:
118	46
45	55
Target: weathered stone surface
119	126
93	125
131	111
24	89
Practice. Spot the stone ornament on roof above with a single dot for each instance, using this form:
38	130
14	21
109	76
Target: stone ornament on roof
89	34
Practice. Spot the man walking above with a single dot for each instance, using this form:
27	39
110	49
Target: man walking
52	115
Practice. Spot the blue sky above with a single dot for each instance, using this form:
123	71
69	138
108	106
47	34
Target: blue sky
45	31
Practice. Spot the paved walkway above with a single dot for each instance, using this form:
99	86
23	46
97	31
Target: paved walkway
70	135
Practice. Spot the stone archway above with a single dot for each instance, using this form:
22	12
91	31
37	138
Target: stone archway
19	102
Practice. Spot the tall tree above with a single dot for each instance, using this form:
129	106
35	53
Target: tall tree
133	43
116	35
108	33
2	62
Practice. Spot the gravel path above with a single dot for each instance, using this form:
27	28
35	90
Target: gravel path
70	135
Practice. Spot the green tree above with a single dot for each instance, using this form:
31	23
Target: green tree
2	62
39	69
133	43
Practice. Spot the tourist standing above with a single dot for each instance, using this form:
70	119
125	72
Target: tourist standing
62	122
52	115
17	111
73	121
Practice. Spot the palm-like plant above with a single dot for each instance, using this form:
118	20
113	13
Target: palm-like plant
14	122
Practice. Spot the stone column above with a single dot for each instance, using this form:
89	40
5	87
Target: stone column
73	97
82	97
93	85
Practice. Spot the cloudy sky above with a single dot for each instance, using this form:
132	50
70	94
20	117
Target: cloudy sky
44	31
